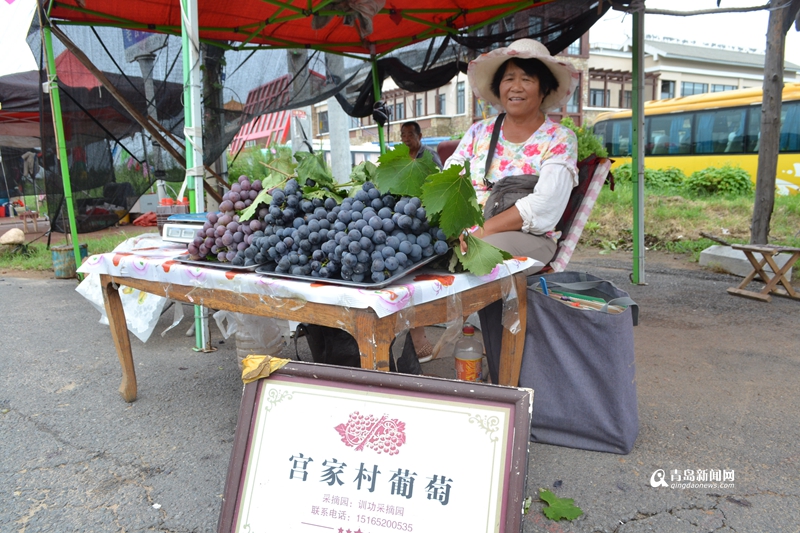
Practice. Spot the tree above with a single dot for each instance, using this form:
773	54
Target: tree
781	16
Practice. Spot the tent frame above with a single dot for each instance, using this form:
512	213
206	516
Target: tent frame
61	144
190	32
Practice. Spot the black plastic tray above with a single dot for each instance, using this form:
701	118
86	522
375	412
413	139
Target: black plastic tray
216	264
362	285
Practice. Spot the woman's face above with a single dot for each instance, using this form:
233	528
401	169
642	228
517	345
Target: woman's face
519	91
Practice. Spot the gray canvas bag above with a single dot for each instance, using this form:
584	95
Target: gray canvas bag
579	362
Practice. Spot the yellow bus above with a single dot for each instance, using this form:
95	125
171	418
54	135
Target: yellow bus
709	130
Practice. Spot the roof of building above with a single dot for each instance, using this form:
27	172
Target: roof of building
707	54
712	54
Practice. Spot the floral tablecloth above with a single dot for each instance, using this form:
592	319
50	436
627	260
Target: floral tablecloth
157	261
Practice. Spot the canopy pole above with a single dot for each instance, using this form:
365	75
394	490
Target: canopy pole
376	87
193	131
61	145
637	53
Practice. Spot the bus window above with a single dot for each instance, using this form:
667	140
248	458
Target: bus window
734	144
620	137
703	143
753	125
670	134
720	131
790	127
599	129
685	135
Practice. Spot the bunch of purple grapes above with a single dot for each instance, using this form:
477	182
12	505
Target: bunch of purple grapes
369	237
222	236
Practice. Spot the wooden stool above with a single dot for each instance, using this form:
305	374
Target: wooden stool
768	252
25	215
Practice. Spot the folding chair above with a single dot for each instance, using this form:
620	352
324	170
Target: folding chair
592	174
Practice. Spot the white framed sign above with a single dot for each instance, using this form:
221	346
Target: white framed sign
330	449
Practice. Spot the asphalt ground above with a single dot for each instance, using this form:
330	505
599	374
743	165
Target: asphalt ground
717	383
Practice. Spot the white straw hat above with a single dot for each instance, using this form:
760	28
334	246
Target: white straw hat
481	71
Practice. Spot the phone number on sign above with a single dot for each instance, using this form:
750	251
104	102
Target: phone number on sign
383	522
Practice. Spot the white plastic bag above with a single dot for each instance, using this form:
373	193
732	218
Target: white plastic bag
254	335
142	310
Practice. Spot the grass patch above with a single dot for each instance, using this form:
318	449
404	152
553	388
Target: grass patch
37	257
673	222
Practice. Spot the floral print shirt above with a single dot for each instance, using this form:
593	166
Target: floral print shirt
551	153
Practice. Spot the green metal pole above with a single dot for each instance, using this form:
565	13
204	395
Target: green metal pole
55	99
376	87
194	140
187	104
638	133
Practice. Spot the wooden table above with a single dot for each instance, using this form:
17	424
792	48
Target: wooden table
771	279
373	333
29	215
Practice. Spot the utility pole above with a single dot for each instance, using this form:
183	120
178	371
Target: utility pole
300	90
146	66
338	124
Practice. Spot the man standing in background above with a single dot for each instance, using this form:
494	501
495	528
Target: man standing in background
411	135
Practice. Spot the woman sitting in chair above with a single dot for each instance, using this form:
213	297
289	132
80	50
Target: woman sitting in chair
523	165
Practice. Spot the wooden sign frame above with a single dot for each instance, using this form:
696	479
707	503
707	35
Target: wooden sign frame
466	445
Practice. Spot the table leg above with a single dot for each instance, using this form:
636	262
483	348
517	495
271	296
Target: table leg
758	270
122	341
758	267
374	338
780	276
513	344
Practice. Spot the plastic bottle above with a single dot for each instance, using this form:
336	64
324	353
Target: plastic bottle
469	356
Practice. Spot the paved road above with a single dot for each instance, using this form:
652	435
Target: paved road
717	381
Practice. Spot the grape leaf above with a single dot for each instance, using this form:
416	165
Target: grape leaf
250	211
317	192
452	197
281	161
363	172
275	179
481	257
559	508
526	505
399	174
313	166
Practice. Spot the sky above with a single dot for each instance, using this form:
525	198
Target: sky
746	30
15	19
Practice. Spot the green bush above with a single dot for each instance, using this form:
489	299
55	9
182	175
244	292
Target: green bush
724	180
663	178
666	178
623	173
251	162
588	142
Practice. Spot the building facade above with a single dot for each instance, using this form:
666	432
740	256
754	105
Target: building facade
672	69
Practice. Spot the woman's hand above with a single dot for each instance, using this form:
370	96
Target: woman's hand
508	220
462	239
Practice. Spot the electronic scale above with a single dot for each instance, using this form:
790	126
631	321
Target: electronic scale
182	227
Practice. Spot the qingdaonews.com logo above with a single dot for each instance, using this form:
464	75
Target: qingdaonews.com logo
713	478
